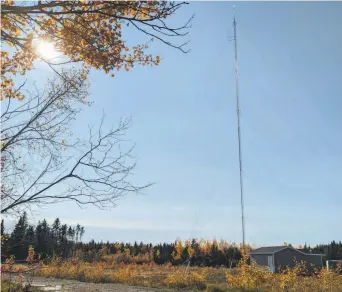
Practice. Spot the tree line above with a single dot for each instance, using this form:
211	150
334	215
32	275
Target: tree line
332	251
194	252
65	241
47	240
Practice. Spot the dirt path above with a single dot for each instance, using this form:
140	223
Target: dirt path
63	285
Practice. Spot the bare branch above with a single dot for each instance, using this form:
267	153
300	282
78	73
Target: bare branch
42	164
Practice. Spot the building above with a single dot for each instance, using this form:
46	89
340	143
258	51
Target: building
278	257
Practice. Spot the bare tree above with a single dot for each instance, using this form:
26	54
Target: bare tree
42	163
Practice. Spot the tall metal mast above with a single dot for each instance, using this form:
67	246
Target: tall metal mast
239	133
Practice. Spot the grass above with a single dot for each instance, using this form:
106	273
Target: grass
243	278
10	286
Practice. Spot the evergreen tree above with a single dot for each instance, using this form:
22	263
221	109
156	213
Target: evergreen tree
71	234
17	239
2	227
78	229
30	237
64	245
4	242
135	250
82	233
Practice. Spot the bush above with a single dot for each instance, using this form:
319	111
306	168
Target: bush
214	288
177	279
8	286
124	275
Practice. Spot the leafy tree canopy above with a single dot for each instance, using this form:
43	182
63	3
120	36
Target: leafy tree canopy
90	32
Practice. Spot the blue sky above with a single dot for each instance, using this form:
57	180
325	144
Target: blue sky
184	127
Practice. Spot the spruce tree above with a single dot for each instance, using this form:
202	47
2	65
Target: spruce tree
17	239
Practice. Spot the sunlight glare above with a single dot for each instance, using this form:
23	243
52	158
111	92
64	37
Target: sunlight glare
46	49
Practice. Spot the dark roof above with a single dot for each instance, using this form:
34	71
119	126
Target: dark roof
274	249
267	249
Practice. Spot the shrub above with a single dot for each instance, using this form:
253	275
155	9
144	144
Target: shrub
177	279
124	275
214	288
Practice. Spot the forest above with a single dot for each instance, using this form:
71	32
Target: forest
63	241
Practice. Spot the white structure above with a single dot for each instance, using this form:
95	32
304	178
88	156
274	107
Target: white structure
332	261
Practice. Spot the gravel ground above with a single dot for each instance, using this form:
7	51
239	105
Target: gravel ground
63	285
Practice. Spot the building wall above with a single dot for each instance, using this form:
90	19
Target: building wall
287	257
260	259
316	260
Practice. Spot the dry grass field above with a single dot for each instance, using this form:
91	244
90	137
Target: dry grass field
243	278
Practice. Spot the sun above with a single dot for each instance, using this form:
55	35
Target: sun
46	49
